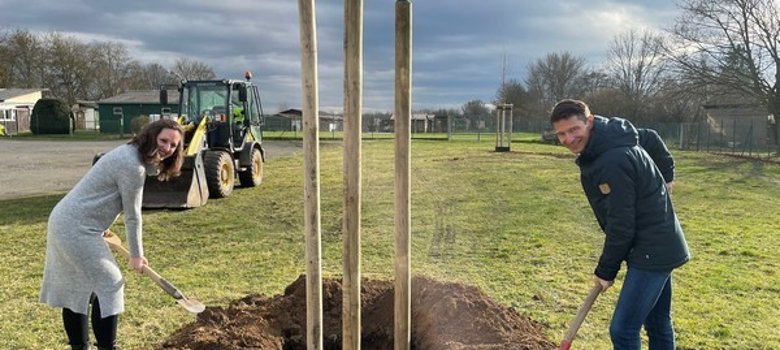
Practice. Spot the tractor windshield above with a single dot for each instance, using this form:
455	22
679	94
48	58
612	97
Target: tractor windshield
204	99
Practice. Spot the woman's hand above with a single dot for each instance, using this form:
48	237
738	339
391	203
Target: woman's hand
138	264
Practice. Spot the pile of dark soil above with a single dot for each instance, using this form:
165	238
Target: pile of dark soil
444	316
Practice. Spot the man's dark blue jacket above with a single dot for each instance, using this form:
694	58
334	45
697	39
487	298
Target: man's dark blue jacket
624	174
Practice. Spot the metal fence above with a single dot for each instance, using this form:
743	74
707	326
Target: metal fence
750	137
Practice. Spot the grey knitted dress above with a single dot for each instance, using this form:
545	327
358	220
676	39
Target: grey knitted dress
78	262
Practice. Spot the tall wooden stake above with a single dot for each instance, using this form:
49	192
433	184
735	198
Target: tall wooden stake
311	174
403	142
353	84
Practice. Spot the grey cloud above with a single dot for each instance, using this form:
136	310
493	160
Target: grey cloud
458	45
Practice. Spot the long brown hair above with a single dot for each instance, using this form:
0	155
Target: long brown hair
146	141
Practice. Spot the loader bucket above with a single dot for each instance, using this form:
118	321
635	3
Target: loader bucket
186	191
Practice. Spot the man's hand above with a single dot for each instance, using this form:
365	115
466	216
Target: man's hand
138	264
670	187
603	283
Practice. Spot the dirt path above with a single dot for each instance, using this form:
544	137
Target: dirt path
35	167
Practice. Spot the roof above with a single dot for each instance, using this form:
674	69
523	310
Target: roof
13	92
294	113
290	113
417	116
85	103
141	97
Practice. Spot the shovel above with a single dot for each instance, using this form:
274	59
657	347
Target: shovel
581	313
188	304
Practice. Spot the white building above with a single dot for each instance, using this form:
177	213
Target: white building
16	107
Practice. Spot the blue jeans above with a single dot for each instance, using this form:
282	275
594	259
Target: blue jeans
646	299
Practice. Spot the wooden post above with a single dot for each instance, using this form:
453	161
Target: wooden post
503	138
498	129
403	142
353	84
503	126
511	125
311	174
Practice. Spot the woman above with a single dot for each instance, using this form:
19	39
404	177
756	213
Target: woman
80	270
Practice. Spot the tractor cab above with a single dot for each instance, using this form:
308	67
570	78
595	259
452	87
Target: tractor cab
230	109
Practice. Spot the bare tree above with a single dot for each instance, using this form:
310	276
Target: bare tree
188	69
110	62
554	77
150	76
69	74
5	54
23	60
514	92
732	44
637	67
593	81
477	114
72	69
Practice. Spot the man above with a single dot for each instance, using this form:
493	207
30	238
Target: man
627	175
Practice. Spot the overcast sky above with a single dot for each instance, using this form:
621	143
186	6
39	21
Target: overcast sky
458	45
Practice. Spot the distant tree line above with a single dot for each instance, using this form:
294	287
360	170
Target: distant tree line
718	51
72	69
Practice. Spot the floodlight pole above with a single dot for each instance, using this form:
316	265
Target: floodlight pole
311	174
353	84
403	142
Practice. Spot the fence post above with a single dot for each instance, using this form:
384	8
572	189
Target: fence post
449	127
682	128
750	141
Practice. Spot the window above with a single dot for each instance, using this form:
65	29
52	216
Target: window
165	111
117	110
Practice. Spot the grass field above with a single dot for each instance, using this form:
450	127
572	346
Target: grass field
515	224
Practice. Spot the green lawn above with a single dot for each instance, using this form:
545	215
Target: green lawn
521	230
478	136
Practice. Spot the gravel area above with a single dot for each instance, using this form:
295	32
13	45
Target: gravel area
37	167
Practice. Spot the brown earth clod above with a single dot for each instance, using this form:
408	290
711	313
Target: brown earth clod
444	316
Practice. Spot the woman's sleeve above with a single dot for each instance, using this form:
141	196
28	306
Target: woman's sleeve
131	189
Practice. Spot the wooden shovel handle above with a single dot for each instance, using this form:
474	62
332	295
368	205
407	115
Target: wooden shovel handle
115	244
581	313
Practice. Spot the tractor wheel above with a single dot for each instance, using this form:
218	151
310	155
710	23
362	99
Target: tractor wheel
253	175
220	173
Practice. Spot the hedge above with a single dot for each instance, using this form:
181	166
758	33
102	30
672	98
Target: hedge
51	116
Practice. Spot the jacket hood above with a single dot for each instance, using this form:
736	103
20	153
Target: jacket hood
609	133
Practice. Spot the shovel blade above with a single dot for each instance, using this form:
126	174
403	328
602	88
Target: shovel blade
192	305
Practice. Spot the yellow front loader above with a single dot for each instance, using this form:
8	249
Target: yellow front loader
222	141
